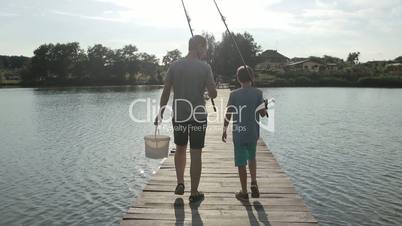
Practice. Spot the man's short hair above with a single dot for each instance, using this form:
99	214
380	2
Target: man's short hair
245	75
196	41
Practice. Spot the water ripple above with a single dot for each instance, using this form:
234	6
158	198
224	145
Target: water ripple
342	155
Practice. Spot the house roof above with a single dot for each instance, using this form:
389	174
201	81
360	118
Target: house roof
394	65
332	64
302	62
270	53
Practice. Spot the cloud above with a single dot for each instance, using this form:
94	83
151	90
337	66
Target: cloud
300	28
103	18
8	14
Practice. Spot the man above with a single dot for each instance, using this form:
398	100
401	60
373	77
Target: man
189	77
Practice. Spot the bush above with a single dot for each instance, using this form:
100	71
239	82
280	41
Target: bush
382	81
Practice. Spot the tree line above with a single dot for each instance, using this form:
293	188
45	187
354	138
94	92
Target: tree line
69	64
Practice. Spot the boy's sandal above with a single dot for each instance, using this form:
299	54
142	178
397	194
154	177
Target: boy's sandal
242	196
179	189
255	193
195	198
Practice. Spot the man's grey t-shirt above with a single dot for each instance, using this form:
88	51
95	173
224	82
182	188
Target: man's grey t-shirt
189	78
242	104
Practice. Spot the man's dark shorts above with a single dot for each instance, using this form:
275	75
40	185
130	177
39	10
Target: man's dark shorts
195	131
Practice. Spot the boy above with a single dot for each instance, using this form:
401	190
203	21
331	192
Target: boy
242	105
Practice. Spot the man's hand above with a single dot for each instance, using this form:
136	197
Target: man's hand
224	135
158	120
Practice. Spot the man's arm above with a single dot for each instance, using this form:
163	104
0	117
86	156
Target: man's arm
163	101
211	87
228	116
212	93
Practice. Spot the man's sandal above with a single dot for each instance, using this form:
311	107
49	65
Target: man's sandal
179	189
255	193
196	198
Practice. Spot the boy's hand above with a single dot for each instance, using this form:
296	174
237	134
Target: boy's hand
224	136
263	112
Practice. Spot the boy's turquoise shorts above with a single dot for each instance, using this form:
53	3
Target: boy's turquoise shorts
244	152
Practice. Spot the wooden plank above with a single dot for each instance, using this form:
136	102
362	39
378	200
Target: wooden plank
221	222
278	205
235	215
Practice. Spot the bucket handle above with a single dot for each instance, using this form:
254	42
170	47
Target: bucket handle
156	131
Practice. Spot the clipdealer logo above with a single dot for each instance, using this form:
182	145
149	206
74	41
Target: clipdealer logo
196	113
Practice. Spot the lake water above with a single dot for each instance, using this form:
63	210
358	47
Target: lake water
73	156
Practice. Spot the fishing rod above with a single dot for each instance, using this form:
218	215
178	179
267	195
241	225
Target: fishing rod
266	102
192	35
234	41
188	18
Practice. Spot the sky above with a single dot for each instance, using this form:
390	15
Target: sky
296	28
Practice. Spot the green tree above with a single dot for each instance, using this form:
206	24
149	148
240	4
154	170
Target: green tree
64	58
331	59
125	63
149	65
353	58
226	58
41	62
13	62
100	61
170	57
212	44
317	59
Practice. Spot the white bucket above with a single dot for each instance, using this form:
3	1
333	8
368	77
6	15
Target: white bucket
156	146
268	123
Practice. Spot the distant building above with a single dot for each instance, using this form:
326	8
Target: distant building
376	64
271	60
298	59
9	79
332	66
306	65
394	68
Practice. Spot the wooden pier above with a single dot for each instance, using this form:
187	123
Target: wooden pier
278	205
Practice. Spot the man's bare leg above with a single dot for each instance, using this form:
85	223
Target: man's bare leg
180	162
195	169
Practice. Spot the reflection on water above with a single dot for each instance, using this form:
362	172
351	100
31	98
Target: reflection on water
342	148
72	156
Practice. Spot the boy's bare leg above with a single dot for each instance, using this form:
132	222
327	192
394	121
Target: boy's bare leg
243	178
180	162
195	169
252	166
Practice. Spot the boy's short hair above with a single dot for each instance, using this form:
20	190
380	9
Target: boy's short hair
245	75
196	41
